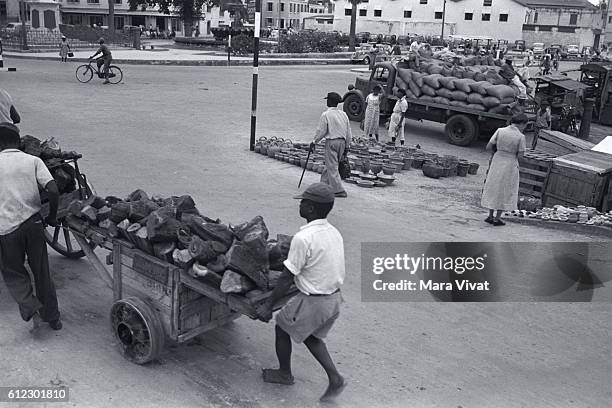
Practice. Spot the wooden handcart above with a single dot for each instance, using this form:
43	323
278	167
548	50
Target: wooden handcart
154	300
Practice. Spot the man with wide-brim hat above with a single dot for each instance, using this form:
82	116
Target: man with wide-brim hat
335	128
315	264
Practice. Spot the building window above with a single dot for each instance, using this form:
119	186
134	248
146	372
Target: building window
92	2
291	7
96	20
610	19
377	13
269	22
487	3
282	6
469	16
486	17
73	1
438	15
347	12
363	12
270	6
573	19
535	18
119	22
503	17
118	2
423	1
407	13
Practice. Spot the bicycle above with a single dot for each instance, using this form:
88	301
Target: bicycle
85	72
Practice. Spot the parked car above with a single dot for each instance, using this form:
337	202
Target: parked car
538	49
363	37
362	55
552	50
573	51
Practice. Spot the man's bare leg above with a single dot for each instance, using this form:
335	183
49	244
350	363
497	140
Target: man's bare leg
318	349
283	353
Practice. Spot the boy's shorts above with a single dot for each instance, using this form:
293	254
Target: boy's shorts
306	315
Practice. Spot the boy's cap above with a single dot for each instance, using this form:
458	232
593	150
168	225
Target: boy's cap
318	193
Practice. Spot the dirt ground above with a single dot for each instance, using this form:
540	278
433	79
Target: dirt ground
173	130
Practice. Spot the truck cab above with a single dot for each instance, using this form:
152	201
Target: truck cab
383	74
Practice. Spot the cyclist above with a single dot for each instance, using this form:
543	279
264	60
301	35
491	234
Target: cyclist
105	59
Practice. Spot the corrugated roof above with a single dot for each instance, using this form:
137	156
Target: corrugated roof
558	3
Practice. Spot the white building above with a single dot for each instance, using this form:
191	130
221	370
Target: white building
498	19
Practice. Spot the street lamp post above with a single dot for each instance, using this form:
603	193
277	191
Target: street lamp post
255	73
443	21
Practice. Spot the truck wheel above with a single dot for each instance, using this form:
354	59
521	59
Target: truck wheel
461	130
353	107
366	61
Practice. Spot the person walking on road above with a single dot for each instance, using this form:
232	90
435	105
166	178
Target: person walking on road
105	59
21	230
396	123
372	113
8	113
64	49
335	127
501	186
315	265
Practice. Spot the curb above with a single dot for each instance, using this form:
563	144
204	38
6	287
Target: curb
243	62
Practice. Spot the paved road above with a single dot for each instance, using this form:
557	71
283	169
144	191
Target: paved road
182	130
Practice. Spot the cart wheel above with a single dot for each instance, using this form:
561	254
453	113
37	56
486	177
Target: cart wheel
138	329
61	240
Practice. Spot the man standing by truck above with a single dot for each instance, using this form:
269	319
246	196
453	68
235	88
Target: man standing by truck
396	123
21	230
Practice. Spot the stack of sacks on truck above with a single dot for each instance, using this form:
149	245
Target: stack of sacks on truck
475	87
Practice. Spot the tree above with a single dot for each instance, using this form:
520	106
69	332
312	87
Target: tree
354	4
189	11
111	16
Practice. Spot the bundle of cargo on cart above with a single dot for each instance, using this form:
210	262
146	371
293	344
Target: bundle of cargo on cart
175	272
470	96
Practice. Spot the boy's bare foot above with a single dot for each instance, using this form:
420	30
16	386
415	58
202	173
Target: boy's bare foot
334	389
271	375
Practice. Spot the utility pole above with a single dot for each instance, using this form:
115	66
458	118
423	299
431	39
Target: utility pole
24	30
255	72
443	21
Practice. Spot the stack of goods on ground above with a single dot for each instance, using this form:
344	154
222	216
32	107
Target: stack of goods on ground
475	85
580	215
55	159
372	157
373	164
234	258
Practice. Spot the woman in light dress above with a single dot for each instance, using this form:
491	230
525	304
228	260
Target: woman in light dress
64	49
372	113
502	183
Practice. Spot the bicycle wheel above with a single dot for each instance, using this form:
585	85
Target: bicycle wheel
84	73
114	74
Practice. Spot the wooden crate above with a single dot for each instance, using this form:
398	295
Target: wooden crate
583	178
534	169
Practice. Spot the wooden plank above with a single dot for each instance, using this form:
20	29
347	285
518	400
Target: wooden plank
204	328
117	272
153	289
95	261
195	306
535	183
532	172
571	143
